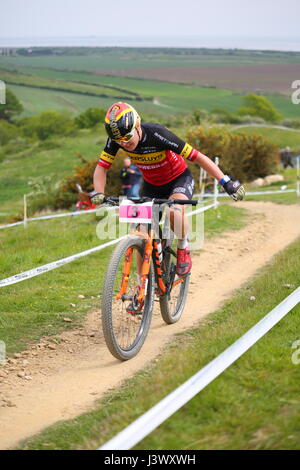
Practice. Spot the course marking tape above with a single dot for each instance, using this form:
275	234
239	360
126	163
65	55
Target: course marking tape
251	193
52	216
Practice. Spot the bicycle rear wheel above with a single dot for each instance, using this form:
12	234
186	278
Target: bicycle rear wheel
172	303
125	332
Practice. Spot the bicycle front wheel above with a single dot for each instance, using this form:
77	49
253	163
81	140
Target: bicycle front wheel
125	332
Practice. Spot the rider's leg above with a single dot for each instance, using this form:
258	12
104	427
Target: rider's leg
179	225
139	258
178	219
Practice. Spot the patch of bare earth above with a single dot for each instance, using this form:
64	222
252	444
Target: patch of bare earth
60	378
269	77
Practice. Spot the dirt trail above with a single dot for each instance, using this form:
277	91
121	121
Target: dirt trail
63	379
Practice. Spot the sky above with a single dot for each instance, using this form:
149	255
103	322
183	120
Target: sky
163	18
21	18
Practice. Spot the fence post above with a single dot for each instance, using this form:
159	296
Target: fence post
202	182
2	92
216	189
25	211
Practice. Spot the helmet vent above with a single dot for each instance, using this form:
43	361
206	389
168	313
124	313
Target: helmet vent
113	123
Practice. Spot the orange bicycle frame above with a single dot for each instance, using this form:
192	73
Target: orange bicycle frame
150	245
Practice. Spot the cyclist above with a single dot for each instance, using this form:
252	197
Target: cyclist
160	155
130	176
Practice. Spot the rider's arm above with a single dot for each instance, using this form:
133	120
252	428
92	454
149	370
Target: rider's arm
106	158
100	179
233	188
209	166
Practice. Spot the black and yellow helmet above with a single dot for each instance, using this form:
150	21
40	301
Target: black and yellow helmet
120	120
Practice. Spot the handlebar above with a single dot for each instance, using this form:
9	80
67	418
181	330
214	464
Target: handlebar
114	201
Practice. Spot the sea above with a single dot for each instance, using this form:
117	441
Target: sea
246	43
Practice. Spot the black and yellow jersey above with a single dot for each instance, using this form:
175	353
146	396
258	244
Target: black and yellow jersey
159	154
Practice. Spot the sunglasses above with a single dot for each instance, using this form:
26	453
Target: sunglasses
126	137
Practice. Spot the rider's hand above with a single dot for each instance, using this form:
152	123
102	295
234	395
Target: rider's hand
97	198
234	188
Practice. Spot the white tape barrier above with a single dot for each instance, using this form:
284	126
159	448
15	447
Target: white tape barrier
12	225
254	193
203	209
57	264
68	214
52	216
144	425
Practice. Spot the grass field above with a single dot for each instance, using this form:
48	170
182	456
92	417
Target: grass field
252	405
37	307
85	88
119	58
280	137
285	198
239	73
35	100
261	78
171	99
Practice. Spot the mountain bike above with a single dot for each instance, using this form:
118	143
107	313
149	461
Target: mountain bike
143	265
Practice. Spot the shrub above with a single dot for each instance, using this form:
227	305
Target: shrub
47	124
243	156
82	175
169	121
245	119
90	118
12	106
292	122
42	194
8	132
223	116
255	105
197	117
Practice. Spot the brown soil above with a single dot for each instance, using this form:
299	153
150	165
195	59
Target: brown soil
269	77
58	380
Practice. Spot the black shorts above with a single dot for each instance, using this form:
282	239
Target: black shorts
183	184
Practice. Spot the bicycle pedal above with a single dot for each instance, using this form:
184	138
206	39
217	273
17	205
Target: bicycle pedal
135	314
